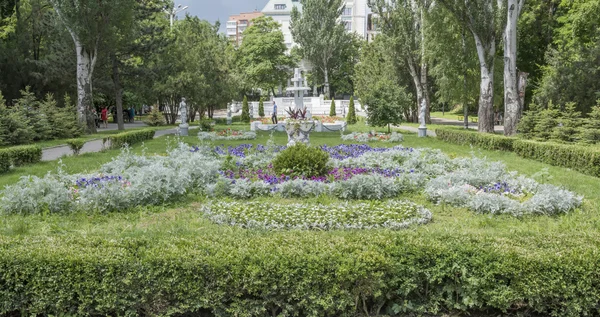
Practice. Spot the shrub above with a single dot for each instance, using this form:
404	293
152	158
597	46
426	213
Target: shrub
591	131
580	158
155	118
206	125
75	145
301	160
19	156
118	140
245	111
261	108
482	140
351	116
332	112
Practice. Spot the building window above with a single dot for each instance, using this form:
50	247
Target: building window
280	7
348	25
347	11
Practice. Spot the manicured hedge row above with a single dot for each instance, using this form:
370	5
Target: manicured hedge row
237	273
483	140
583	159
19	156
580	158
118	140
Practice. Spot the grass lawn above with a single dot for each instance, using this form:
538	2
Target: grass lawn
449	115
177	231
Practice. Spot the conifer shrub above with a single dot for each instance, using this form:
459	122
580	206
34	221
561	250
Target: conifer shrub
245	111
155	118
261	108
591	128
332	112
75	145
351	117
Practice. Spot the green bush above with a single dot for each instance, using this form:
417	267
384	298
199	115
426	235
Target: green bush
580	158
301	160
351	117
332	112
19	156
206	125
76	145
236	272
245	111
118	140
483	140
155	118
261	108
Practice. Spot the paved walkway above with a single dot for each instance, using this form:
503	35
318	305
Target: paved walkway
55	153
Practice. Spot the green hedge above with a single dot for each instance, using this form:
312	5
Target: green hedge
483	140
19	156
580	158
118	140
241	273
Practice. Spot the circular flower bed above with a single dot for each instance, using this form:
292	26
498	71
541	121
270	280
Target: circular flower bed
392	214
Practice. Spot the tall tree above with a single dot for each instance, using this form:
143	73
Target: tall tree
262	55
318	31
403	21
484	20
90	22
512	101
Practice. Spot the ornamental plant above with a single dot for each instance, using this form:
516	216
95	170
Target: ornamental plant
351	117
261	108
245	111
301	160
155	118
332	111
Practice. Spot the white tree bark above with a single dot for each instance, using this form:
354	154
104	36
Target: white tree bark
486	92
511	89
326	89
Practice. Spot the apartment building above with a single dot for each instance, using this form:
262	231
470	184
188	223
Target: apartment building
354	16
237	24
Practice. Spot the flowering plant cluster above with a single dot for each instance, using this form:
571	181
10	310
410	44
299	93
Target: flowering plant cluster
327	119
98	182
392	214
226	135
373	137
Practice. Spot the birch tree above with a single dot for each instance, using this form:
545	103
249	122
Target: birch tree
512	101
484	20
320	34
403	21
90	22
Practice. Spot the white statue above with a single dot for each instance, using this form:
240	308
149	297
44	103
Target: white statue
423	109
183	111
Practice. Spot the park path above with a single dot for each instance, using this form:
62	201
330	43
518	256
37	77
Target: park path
55	153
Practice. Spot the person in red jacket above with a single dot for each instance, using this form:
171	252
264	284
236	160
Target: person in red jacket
104	116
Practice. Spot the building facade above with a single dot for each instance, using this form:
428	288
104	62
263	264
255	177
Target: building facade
354	17
237	24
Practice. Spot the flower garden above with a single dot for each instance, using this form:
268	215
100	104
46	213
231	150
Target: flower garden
250	227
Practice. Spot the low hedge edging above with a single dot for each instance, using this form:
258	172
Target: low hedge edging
236	273
580	158
486	141
118	140
19	156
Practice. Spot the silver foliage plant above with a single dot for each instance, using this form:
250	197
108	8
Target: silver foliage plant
213	136
474	183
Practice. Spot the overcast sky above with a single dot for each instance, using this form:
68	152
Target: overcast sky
213	10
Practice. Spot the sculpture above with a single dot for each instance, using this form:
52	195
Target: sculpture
183	127
422	115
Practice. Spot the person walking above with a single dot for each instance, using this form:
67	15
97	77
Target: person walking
104	116
131	115
274	115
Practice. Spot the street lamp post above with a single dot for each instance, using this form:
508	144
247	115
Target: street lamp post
173	13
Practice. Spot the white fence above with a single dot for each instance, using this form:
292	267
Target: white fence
316	106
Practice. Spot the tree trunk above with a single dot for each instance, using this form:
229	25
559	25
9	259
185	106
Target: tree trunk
85	104
464	95
511	97
486	87
420	81
326	89
522	89
118	92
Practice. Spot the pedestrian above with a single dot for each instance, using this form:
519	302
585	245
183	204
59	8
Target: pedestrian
274	115
104	116
131	115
